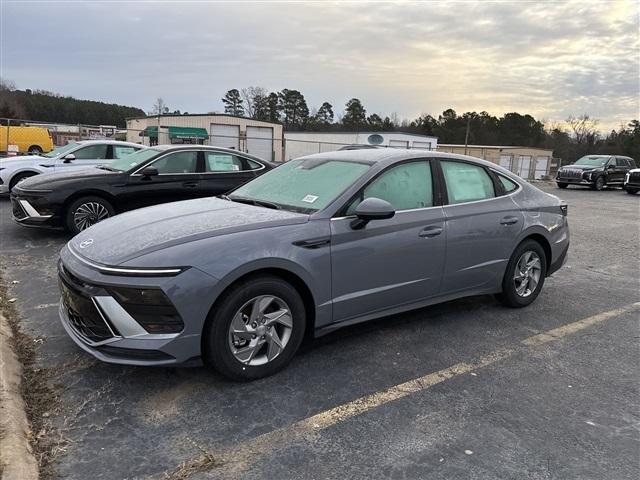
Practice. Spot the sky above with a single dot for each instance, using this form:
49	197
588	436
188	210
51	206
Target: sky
549	59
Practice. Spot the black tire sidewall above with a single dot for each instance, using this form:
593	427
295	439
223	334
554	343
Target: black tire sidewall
216	350
600	183
68	216
562	185
631	191
509	295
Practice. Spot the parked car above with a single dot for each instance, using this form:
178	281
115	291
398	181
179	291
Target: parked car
73	156
595	171
316	244
632	181
33	140
150	176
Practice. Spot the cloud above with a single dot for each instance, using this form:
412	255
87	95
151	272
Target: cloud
549	59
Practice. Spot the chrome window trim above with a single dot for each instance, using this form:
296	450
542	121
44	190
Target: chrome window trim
398	212
127	271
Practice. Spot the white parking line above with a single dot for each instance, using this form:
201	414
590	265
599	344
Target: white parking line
238	457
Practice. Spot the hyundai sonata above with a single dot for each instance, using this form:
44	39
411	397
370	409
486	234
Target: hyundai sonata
318	243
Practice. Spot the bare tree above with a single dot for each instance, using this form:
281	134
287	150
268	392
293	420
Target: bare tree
159	107
584	129
7	85
254	100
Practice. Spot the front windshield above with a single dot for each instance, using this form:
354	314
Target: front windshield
306	185
61	150
592	161
131	161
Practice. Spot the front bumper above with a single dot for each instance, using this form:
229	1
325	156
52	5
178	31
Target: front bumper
99	324
34	212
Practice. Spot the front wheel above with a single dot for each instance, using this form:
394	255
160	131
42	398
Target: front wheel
255	330
35	150
87	211
524	276
599	185
631	191
562	185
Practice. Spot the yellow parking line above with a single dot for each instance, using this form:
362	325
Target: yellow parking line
238	457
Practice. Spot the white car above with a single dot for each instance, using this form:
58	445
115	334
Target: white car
632	181
73	156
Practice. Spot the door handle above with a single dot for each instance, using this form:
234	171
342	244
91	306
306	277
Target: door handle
509	220
190	184
428	232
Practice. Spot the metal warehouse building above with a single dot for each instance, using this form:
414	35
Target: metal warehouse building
306	143
527	162
262	139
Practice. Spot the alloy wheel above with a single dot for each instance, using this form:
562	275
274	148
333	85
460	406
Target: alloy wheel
527	273
89	214
260	330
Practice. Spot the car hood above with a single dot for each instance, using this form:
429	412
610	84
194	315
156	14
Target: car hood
52	180
579	167
139	232
25	159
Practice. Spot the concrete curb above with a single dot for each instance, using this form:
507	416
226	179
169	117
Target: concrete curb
17	461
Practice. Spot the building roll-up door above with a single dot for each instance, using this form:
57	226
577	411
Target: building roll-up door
399	143
425	145
227	136
260	142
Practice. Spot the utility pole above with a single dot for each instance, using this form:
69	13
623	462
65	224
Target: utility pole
466	135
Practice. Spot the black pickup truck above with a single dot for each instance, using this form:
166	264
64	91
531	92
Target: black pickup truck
596	171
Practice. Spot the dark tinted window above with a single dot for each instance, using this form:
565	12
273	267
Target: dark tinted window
92	152
179	162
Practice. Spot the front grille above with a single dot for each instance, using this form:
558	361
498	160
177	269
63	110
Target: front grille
18	211
573	174
635	176
82	313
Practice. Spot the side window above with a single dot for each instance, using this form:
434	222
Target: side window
120	151
466	182
221	162
508	185
92	152
621	162
406	186
179	162
253	165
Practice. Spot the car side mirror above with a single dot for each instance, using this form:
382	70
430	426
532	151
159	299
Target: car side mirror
372	209
149	172
69	158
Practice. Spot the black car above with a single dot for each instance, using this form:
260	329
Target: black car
151	176
595	171
632	181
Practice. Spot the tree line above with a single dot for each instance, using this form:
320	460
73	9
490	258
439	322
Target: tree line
569	140
44	106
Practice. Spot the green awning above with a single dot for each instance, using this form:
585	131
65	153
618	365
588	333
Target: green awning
151	132
188	132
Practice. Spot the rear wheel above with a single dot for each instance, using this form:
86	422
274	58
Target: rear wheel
87	211
20	177
599	185
35	150
524	276
562	185
255	330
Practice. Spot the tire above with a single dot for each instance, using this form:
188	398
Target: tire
631	191
219	343
599	185
95	208
510	295
35	150
19	177
562	185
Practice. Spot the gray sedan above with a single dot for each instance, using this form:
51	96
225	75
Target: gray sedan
318	243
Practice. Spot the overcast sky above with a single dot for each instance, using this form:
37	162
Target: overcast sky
550	59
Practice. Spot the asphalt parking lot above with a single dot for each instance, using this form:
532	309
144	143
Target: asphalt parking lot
467	389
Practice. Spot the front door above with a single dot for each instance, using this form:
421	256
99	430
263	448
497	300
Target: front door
392	262
482	228
177	179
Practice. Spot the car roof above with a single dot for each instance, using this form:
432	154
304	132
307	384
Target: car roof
111	142
168	148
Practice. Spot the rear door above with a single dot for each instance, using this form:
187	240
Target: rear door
223	172
178	179
85	156
482	227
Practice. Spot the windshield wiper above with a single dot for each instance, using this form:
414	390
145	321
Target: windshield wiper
253	201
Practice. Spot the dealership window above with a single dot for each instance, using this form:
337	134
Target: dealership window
179	162
222	162
92	152
405	187
466	182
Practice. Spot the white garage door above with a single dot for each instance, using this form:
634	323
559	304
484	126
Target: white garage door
505	161
260	142
525	166
399	143
542	165
227	136
425	145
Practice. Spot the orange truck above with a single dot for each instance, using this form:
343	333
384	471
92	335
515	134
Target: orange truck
33	140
